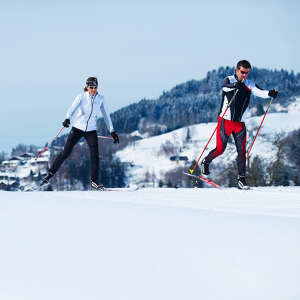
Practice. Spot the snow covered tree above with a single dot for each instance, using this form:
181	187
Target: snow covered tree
188	135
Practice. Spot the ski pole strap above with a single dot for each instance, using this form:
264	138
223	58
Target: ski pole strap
249	150
49	144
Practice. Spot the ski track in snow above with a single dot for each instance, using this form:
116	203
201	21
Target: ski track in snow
151	244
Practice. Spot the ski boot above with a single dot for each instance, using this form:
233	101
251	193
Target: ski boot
97	187
242	183
204	167
46	178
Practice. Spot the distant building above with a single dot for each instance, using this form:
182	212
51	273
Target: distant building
20	171
26	156
12	162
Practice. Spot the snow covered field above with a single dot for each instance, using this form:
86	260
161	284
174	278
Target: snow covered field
151	244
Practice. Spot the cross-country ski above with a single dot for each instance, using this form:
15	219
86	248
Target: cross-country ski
204	179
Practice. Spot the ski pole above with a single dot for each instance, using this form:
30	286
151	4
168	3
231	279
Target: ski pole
248	153
49	144
105	137
233	97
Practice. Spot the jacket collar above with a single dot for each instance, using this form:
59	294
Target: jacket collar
90	96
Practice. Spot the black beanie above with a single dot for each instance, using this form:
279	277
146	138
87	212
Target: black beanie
92	81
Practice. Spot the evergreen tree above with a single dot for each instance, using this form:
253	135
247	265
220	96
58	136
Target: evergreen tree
31	176
256	172
188	135
278	171
231	175
291	151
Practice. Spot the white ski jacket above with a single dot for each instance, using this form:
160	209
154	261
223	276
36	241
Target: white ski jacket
86	109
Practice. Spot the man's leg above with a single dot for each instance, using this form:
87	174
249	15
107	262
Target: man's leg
222	139
240	143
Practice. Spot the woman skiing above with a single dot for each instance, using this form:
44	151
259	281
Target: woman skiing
84	111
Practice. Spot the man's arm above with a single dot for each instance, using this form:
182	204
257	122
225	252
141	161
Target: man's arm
259	92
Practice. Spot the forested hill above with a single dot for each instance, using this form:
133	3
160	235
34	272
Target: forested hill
196	101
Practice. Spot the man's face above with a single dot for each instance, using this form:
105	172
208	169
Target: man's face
242	73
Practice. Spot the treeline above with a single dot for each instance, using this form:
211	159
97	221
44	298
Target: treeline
196	101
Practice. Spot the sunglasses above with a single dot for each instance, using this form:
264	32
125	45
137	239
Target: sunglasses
92	87
244	73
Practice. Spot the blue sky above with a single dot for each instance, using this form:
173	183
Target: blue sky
137	49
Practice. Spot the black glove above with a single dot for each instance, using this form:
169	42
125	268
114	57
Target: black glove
66	123
239	85
273	93
115	137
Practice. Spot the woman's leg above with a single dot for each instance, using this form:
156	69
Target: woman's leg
92	140
73	138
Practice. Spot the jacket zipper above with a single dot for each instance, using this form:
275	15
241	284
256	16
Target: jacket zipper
87	123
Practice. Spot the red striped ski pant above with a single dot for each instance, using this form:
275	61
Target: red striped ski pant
224	129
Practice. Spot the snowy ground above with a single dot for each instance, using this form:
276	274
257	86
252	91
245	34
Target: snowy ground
151	244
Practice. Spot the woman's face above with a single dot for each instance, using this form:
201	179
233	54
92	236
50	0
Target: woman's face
92	90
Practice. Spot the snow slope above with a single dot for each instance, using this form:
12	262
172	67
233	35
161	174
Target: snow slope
146	154
151	244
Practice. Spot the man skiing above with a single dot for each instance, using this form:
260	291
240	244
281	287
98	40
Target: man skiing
85	110
240	87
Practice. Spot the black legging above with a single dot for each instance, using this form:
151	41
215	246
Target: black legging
73	138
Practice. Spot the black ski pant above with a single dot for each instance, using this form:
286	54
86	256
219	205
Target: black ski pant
224	130
73	138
